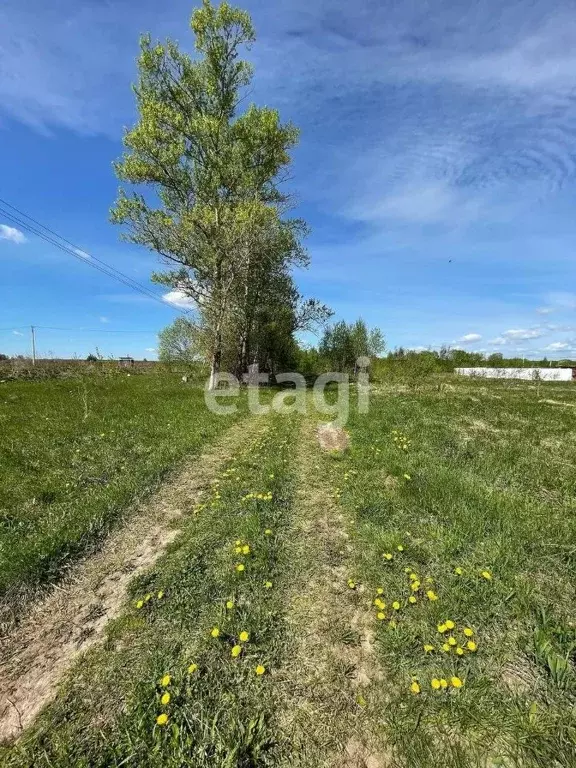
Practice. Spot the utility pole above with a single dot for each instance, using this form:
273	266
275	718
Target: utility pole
33	344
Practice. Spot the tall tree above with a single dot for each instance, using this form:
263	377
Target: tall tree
214	172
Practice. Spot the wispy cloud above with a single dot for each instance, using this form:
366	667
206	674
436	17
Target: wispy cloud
518	334
17	333
104	319
558	346
12	234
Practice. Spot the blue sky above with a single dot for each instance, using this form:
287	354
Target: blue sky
436	166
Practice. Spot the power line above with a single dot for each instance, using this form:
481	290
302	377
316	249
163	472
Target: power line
79	330
73	250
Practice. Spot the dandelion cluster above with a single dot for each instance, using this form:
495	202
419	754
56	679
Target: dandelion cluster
452	642
267	496
140	603
437	684
400	439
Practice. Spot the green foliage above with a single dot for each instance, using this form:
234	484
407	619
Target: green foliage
181	342
343	344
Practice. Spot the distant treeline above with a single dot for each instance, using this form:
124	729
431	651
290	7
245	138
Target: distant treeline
413	363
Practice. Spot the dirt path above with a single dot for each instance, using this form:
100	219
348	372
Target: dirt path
73	617
323	720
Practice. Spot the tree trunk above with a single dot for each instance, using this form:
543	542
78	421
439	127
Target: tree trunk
216	359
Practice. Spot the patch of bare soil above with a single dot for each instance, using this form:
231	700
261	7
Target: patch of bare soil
322	721
36	655
332	437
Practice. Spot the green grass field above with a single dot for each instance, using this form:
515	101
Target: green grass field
409	602
74	453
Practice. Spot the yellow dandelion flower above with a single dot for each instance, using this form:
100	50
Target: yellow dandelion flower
268	584
236	651
379	591
380	616
458	571
412	599
428	648
443	683
140	604
415	688
160	595
166	680
431	595
407	476
351	584
238	550
229	604
245	549
400	548
445	647
413	577
452	641
396	605
162	719
460	651
268	532
415	586
192	668
238	542
450	624
468	632
407	570
215	632
442	628
456	682
435	683
147	598
260	669
486	574
387	556
240	567
244	637
165	699
471	645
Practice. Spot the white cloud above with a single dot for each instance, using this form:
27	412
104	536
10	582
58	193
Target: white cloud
12	234
150	349
104	319
17	333
556	346
179	299
544	310
498	341
81	253
522	333
469	338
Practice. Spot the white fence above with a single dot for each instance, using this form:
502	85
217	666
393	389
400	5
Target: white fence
529	374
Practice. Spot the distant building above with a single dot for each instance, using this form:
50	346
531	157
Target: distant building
528	374
125	362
